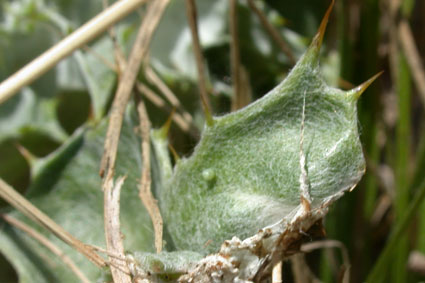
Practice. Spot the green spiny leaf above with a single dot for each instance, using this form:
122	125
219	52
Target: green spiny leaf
245	172
67	188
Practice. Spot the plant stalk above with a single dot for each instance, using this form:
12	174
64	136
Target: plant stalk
69	44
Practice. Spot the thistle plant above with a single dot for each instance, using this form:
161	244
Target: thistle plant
275	165
257	182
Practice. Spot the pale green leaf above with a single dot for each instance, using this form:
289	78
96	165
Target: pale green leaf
67	187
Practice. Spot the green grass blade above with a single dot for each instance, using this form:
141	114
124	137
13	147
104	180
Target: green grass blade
401	167
381	266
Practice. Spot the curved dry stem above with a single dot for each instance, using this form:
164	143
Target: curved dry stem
125	86
32	212
273	32
301	271
328	244
154	79
113	234
145	193
48	244
161	104
192	18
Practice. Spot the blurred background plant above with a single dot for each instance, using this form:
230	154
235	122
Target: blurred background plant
61	115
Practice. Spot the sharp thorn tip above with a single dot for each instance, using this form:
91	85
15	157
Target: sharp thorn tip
357	91
318	39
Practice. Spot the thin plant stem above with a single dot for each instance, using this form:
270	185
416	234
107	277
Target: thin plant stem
145	192
118	52
300	270
328	244
403	146
69	44
192	18
413	58
272	31
153	78
100	58
113	236
234	53
160	103
32	212
401	167
138	53
48	244
381	265
126	83
277	273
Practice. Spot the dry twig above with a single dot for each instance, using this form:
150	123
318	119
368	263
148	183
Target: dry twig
246	90
393	7
122	96
384	203
100	58
234	54
113	236
29	210
301	271
48	244
145	193
160	103
193	23
277	273
138	53
273	32
154	79
328	244
118	53
75	40
413	58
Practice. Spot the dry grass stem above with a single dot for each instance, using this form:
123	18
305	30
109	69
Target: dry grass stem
299	267
413	57
272	31
113	236
32	212
393	7
126	83
154	79
329	244
235	54
75	40
145	193
118	53
99	57
245	97
193	24
48	244
384	204
161	104
384	176
277	273
301	271
108	253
